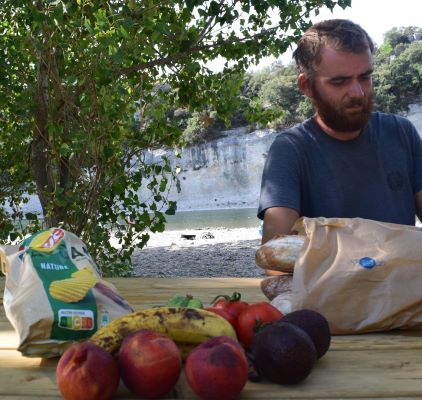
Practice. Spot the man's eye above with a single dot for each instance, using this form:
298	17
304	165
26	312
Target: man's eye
338	82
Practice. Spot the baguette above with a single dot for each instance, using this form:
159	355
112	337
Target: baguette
280	253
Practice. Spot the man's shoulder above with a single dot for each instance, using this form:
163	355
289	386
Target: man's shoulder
296	132
380	118
393	129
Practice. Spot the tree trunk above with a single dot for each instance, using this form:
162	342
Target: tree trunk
40	161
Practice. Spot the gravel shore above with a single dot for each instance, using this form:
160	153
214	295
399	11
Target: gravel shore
213	252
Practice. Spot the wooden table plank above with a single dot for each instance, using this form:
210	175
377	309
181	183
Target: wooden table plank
370	366
339	374
145	292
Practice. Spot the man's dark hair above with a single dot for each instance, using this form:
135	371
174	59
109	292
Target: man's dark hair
341	34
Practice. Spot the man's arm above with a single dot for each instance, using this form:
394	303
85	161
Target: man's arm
418	201
278	221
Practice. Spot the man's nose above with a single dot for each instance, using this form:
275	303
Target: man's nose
356	90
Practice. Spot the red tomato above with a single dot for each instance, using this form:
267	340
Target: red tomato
220	303
231	304
257	313
223	313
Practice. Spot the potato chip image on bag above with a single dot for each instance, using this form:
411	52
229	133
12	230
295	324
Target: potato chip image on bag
54	294
85	273
70	290
74	289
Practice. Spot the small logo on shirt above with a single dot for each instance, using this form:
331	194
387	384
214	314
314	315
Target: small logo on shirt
395	180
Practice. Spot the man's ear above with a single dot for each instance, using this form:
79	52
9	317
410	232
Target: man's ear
304	84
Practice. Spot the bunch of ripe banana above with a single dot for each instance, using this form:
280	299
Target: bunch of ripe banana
187	326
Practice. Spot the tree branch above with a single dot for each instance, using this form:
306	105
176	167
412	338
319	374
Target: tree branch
193	49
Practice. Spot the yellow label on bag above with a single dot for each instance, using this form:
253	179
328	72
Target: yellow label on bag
47	241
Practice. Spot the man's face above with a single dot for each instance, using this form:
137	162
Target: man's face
341	90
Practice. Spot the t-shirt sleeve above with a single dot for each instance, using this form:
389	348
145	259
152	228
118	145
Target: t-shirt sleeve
280	185
417	157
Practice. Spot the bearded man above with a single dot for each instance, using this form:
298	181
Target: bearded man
346	161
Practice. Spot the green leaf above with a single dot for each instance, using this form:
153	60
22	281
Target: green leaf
31	216
65	149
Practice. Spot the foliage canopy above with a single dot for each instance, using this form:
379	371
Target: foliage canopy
73	74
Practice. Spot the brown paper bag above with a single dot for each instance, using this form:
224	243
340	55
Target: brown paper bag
362	275
54	295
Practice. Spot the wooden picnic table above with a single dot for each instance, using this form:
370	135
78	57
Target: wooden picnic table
370	366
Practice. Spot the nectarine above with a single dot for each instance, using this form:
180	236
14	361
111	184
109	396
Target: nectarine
217	369
86	371
149	363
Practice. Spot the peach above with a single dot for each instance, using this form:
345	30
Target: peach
217	369
149	363
86	371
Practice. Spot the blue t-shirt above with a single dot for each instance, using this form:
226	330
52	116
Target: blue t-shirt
373	176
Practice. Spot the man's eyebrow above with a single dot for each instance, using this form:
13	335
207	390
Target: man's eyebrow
341	77
368	72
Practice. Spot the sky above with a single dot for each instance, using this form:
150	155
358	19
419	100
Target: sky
379	16
375	16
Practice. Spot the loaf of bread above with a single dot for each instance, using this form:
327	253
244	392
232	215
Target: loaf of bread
280	253
277	284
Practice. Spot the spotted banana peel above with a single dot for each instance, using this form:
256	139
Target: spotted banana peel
186	326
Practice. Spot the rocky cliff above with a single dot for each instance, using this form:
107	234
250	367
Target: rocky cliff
225	173
415	115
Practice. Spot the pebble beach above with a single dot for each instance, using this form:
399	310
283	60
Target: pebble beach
207	252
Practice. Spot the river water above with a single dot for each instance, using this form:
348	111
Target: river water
225	218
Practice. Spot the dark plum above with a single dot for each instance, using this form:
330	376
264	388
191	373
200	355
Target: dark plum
315	325
283	353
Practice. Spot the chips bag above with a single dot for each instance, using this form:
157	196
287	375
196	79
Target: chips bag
54	294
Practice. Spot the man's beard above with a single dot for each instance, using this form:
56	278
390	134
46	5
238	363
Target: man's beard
338	118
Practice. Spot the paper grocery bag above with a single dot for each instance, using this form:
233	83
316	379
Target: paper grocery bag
362	275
